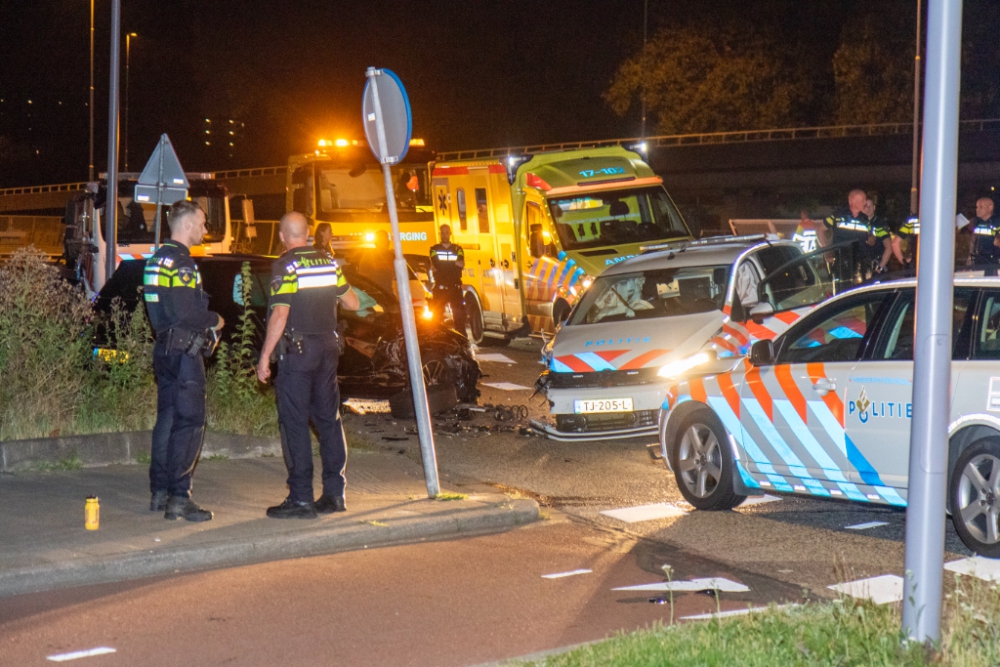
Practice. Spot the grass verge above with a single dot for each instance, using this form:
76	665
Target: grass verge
839	633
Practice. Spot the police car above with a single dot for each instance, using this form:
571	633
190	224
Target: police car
824	410
687	306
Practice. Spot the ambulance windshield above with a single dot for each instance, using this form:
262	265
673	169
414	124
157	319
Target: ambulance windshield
685	290
596	219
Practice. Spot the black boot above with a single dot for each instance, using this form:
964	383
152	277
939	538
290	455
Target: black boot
293	509
329	504
158	501
179	507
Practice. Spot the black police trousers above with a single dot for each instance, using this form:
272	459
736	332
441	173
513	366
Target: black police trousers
180	419
306	386
452	296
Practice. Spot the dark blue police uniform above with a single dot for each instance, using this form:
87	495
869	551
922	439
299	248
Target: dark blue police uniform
448	282
984	232
309	283
178	311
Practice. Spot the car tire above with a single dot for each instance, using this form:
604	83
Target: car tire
474	318
974	493
703	463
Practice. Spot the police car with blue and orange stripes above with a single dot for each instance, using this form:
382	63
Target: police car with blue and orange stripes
676	307
824	410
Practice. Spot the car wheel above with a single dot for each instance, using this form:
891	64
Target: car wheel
703	463
474	317
975	497
436	371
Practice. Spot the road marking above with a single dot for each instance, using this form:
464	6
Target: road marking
645	513
710	584
977	566
758	500
507	386
560	575
734	612
880	590
63	657
866	526
495	357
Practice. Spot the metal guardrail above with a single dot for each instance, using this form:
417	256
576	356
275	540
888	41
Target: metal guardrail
40	189
243	173
747	136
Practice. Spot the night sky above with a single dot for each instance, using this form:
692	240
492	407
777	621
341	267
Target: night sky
479	73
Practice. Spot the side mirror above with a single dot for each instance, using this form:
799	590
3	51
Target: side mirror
762	353
760	311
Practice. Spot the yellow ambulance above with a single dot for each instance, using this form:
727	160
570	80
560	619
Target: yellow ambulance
536	229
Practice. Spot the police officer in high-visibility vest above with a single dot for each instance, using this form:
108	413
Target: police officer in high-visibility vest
306	286
447	265
185	333
985	233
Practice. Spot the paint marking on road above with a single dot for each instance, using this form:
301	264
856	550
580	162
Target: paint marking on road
507	386
63	657
735	612
880	590
977	566
495	357
645	512
866	526
710	584
759	500
560	575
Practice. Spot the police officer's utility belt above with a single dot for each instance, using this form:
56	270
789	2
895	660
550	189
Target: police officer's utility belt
191	343
294	342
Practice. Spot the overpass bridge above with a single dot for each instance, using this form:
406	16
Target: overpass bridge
713	176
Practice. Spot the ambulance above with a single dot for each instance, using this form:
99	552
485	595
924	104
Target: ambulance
678	309
537	229
825	411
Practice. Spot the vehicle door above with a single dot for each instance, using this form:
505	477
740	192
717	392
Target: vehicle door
793	409
799	285
495	247
879	406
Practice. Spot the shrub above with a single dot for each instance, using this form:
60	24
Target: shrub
45	337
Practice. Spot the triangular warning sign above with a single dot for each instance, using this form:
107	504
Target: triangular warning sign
163	168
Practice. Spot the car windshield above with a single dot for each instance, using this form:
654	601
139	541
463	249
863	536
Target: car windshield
656	293
620	216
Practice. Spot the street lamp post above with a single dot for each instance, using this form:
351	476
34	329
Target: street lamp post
128	50
90	171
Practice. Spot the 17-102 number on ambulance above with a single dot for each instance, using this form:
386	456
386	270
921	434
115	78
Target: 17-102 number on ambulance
584	407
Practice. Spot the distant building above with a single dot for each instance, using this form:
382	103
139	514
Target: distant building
225	142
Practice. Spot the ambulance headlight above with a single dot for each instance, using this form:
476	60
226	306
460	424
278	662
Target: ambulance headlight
369	237
682	366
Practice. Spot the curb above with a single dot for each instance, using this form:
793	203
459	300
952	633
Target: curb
331	538
102	449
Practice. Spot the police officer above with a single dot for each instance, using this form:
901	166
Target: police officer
306	285
986	233
850	223
185	328
447	264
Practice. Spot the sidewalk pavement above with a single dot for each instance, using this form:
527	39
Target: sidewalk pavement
43	543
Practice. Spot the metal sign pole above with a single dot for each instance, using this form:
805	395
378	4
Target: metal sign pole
111	205
159	194
424	431
926	497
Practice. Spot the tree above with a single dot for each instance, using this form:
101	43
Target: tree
696	79
873	71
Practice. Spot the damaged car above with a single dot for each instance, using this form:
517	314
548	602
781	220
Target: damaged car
373	362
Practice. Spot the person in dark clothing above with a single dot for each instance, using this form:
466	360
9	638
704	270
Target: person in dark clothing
986	233
306	286
323	239
447	265
185	331
850	223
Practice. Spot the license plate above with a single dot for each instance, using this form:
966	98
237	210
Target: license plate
602	405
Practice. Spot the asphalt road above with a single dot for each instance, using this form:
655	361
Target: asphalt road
803	542
462	602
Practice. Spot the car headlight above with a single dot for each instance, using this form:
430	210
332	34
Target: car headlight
428	314
681	366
